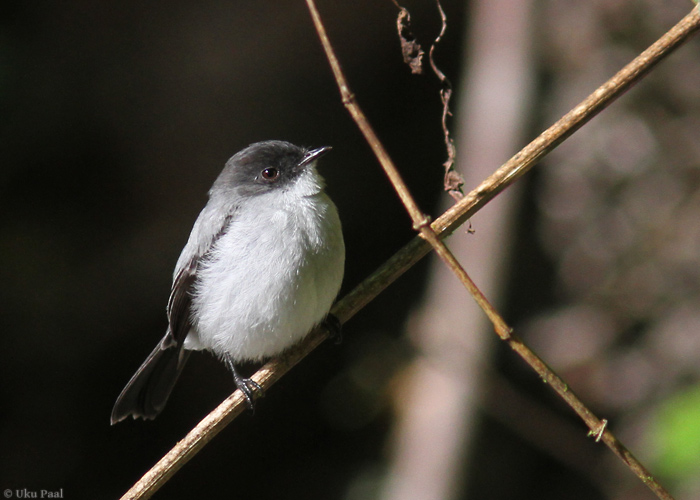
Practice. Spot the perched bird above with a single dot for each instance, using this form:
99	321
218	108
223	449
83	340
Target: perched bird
262	266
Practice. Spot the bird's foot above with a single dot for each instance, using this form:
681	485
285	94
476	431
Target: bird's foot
250	388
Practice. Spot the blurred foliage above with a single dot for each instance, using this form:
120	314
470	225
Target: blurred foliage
675	435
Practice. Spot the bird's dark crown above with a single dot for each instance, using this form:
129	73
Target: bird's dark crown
264	166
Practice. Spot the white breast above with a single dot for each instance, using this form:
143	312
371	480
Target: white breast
272	276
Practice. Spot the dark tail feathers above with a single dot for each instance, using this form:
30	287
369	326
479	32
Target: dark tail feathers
148	390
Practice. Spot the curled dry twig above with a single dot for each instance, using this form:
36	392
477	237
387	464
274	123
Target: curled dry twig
410	48
453	179
413	57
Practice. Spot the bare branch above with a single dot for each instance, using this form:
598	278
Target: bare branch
417	248
552	137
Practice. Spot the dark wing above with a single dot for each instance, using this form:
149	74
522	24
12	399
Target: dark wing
179	304
197	251
148	390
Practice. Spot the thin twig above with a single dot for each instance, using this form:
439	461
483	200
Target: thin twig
416	249
421	224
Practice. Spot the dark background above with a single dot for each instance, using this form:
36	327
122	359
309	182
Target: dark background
116	117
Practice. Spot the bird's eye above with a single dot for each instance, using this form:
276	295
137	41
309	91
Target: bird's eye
270	174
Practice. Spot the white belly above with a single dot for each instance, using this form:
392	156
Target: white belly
267	289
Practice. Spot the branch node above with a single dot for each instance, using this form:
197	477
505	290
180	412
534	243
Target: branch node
598	433
347	97
504	331
423	222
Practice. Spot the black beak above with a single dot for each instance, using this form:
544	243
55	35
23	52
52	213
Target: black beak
314	154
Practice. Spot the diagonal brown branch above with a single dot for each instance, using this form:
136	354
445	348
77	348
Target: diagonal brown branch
598	428
416	249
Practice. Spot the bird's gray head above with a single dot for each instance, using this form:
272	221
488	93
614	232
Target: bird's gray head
267	166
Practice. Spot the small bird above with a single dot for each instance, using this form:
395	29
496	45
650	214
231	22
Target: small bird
262	267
